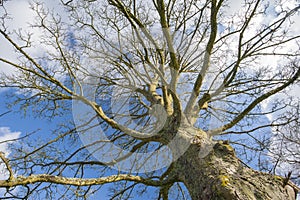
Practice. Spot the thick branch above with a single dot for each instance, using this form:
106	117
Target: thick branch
98	109
76	181
167	34
206	63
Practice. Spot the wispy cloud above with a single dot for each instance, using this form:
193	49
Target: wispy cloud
21	17
6	136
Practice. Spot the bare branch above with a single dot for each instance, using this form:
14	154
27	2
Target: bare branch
255	103
76	181
7	165
206	63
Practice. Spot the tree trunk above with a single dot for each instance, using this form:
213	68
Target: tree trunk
221	175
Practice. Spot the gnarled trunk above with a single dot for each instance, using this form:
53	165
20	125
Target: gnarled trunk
221	175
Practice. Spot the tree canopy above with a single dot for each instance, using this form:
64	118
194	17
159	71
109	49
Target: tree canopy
131	87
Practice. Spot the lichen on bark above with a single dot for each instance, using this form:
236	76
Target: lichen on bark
221	175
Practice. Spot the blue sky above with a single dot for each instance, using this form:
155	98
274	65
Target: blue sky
15	125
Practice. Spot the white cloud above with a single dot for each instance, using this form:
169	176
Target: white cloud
20	13
21	17
234	6
6	135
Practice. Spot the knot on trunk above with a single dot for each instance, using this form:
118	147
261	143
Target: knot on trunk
224	148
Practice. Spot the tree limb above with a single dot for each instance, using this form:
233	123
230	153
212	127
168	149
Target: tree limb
76	181
206	63
8	167
254	104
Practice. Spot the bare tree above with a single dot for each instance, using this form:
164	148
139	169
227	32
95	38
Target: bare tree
160	91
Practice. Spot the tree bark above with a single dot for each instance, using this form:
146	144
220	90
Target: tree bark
221	175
